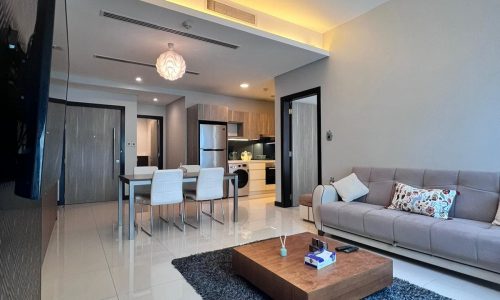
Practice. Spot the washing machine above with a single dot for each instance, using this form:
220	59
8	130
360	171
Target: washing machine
243	179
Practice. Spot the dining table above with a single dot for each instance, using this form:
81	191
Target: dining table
140	180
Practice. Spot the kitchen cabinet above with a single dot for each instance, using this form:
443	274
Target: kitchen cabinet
257	176
236	116
254	124
210	112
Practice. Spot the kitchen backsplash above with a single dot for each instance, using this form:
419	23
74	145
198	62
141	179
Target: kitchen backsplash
259	150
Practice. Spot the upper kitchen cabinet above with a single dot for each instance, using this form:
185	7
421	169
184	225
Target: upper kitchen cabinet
209	112
258	124
236	116
266	124
255	124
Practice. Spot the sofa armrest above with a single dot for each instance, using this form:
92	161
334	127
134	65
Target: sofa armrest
322	194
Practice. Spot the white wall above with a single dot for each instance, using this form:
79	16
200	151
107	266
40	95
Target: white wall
409	84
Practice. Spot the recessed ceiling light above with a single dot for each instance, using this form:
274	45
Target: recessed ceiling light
155	99
138	79
244	85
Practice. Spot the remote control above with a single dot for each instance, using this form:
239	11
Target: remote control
342	248
351	249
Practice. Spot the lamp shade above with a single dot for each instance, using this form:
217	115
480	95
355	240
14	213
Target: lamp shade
170	65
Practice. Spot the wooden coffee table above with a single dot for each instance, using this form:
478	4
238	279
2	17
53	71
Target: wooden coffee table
354	275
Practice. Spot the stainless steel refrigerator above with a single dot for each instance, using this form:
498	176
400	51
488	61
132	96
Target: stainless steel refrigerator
213	145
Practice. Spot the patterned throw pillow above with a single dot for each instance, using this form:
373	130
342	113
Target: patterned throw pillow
430	202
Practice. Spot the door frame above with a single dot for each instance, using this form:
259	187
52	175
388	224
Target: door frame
159	118
286	142
122	141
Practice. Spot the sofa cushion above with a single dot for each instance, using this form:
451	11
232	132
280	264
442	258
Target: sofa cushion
379	224
488	243
351	216
479	193
414	231
330	212
456	239
381	186
350	188
429	202
413	177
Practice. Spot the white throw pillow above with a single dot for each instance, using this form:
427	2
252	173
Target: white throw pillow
497	218
350	188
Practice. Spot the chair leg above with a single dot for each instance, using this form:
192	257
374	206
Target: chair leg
212	214
211	209
222	207
150	221
197	215
161	217
181	212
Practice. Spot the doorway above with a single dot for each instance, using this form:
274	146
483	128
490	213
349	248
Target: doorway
94	156
300	145
149	141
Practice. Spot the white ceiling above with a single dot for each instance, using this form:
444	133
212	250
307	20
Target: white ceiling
257	61
318	15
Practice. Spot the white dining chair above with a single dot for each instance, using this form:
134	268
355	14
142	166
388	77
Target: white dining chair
189	186
142	192
166	189
209	187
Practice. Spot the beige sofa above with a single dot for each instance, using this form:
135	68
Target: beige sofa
467	242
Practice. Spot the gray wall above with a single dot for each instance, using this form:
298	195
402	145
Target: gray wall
175	133
409	84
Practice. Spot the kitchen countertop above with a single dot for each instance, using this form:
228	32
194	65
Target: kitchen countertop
251	161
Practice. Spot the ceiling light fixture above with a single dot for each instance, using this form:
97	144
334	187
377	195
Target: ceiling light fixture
170	65
244	85
155	99
138	79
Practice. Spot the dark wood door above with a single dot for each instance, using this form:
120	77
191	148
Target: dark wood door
92	154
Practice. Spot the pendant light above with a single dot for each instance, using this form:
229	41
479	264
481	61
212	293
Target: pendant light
170	65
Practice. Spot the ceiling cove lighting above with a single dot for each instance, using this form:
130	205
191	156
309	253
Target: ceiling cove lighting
170	65
138	79
244	85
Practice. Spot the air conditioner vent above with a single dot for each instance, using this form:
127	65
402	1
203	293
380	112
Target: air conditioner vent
230	11
132	62
166	29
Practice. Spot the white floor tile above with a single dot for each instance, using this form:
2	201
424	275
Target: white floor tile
89	258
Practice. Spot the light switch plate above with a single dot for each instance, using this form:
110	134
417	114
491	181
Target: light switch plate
329	135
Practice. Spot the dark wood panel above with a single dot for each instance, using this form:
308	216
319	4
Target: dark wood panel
91	165
192	135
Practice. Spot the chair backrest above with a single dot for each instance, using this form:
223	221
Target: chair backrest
190	168
166	187
144	170
210	184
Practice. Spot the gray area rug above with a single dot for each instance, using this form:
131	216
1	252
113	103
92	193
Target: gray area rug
212	277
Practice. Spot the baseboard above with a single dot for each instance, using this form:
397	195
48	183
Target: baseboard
419	256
